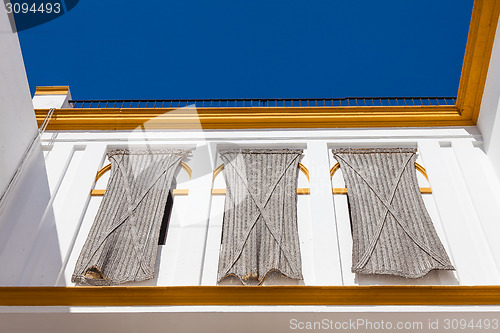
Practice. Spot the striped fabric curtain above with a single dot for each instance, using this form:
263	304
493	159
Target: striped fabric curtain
260	214
391	229
123	241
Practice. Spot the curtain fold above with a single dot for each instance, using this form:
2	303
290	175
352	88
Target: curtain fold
391	228
260	214
123	241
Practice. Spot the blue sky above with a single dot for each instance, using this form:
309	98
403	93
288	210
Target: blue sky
250	49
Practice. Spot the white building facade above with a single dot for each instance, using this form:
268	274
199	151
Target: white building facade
48	208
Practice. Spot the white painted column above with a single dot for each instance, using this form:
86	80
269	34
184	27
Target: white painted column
60	227
71	214
187	235
324	234
489	115
480	193
343	223
460	234
56	163
214	231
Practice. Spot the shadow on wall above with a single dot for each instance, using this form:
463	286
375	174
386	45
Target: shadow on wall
29	245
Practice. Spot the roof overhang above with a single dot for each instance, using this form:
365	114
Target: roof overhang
253	118
465	113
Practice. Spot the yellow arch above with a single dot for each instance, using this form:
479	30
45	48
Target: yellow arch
106	168
301	167
421	169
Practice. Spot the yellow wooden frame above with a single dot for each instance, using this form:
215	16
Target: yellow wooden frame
343	190
106	168
250	295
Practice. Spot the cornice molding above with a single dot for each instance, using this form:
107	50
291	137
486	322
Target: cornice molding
52	90
250	295
480	40
253	118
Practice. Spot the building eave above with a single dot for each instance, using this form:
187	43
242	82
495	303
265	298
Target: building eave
482	30
253	118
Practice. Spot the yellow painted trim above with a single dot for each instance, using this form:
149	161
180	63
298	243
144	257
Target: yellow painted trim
217	171
253	118
425	190
101	172
219	191
304	170
187	168
342	190
334	169
97	193
339	190
52	90
250	295
421	169
303	191
477	56
180	191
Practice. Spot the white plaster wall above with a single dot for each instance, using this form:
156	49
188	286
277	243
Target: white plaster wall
489	115
242	319
25	213
464	205
17	119
57	101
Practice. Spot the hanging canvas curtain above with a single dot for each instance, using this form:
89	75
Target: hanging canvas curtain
122	243
391	229
259	233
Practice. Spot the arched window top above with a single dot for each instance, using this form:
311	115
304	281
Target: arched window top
107	167
300	190
301	167
420	168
